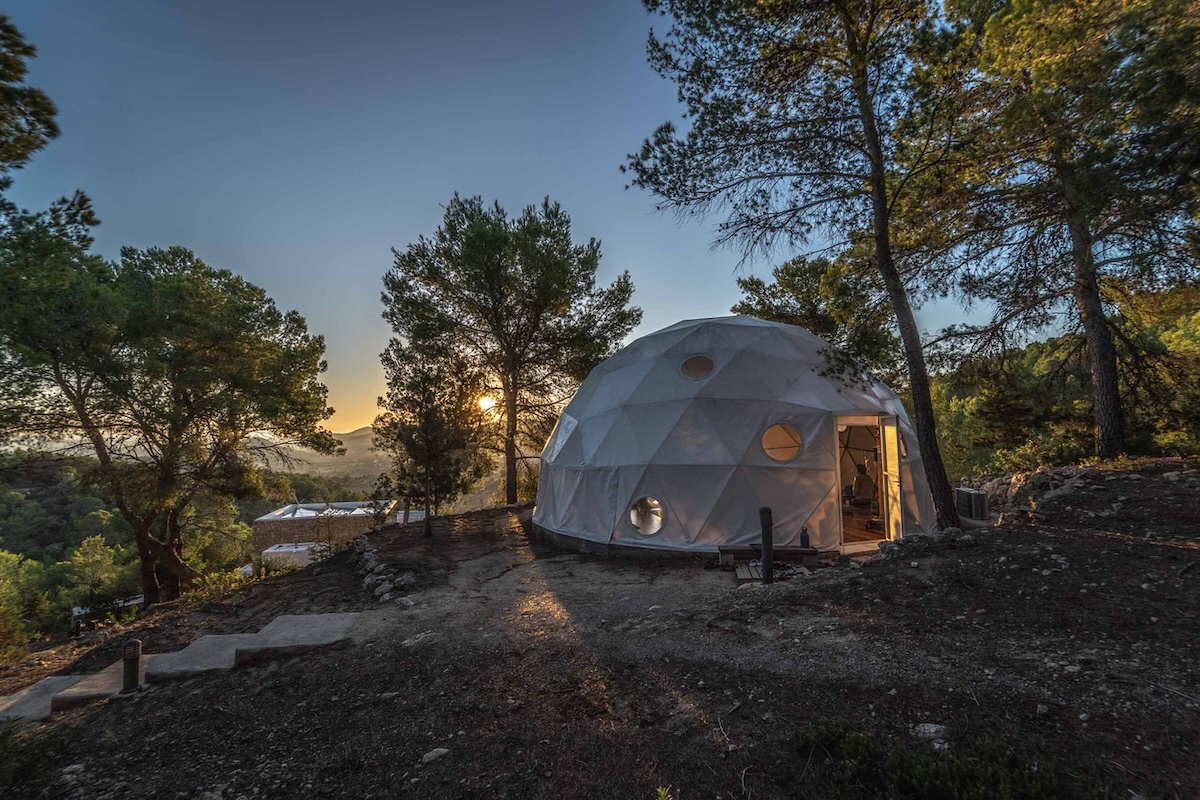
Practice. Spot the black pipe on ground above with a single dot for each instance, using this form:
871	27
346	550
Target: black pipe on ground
768	544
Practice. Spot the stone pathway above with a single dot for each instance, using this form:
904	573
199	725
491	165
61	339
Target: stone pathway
287	634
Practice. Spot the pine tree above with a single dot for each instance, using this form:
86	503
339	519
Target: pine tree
433	425
515	299
801	121
1088	177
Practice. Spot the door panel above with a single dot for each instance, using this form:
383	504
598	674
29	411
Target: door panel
893	508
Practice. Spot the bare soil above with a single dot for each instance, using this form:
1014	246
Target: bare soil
1070	641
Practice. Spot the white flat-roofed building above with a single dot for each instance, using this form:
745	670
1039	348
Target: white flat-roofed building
331	523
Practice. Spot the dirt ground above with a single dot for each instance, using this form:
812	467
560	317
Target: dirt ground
1068	640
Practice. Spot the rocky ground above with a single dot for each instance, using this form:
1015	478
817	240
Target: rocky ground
1054	655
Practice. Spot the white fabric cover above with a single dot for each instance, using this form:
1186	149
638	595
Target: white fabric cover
638	426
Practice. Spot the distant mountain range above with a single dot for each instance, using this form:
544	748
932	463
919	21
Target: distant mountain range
360	461
361	465
357	469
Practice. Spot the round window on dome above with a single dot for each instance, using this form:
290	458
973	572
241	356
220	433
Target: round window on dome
697	367
781	442
646	516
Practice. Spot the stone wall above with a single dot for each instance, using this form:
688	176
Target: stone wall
1023	493
335	530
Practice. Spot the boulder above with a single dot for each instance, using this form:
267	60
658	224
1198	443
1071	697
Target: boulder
435	754
888	549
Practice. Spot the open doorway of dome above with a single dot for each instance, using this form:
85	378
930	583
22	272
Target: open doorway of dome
868	475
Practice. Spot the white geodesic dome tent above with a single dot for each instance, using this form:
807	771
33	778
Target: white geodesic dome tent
676	441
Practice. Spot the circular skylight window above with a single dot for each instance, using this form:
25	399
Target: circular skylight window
781	441
646	516
697	367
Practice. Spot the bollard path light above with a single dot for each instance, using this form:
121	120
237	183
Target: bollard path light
768	544
131	655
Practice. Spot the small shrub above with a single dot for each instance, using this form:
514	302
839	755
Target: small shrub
1040	450
215	584
1177	442
1122	462
323	550
14	639
266	567
861	766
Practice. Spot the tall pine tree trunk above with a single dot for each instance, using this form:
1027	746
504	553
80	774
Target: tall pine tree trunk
151	593
510	440
428	526
148	554
1107	417
922	401
171	586
179	575
910	335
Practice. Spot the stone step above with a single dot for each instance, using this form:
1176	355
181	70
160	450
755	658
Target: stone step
206	654
105	683
289	634
33	702
285	635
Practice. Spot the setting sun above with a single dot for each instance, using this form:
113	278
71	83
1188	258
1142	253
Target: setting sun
487	403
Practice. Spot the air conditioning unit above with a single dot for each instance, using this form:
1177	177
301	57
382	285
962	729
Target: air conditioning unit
972	504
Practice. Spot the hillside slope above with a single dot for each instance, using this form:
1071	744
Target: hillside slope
1052	656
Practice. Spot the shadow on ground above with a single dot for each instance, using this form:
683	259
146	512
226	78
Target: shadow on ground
545	673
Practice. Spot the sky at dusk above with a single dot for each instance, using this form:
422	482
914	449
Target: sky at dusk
296	143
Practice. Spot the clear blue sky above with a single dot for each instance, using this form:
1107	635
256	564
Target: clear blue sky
295	143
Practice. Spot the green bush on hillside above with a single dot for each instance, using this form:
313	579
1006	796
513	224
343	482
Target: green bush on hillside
1031	406
856	765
